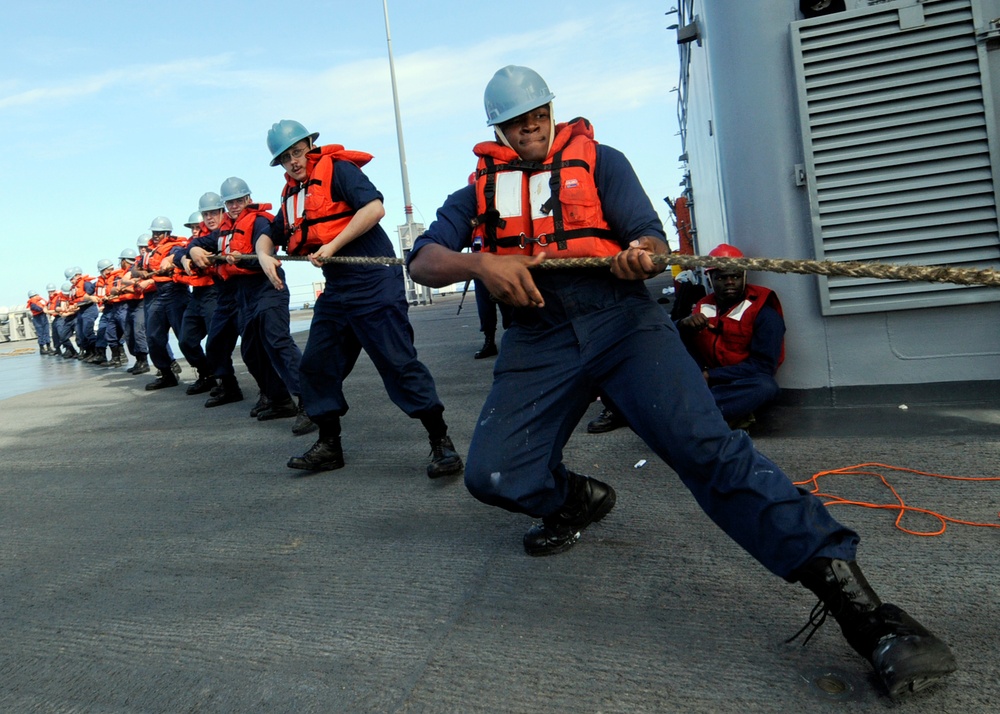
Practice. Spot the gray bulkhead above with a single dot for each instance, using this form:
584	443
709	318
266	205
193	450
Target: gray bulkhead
869	134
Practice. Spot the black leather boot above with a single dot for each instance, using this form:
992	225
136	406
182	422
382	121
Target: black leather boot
608	420
324	455
279	410
445	461
141	365
303	424
489	348
204	383
230	392
906	656
587	501
167	379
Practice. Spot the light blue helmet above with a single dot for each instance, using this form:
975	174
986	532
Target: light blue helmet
161	224
51	287
67	287
193	220
143	240
513	91
77	270
127	254
104	264
68	273
285	134
233	188
32	293
210	201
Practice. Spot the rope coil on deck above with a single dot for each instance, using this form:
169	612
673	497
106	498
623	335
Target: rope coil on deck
849	269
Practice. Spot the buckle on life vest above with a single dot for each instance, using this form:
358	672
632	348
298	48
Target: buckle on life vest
542	240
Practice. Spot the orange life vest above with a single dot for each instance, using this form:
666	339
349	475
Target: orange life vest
159	253
79	289
238	238
106	283
37	305
726	340
199	279
524	206
58	301
315	219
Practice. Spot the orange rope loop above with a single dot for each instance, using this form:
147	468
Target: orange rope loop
899	505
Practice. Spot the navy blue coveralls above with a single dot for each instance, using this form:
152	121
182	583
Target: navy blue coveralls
196	320
597	332
40	321
362	307
85	319
261	321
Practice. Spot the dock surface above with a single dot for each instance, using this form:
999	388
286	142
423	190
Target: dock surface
157	556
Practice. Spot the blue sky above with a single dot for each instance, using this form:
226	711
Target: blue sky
113	113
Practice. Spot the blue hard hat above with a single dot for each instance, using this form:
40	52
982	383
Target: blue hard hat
161	224
104	264
143	240
50	287
194	219
127	254
68	273
233	188
513	91
67	287
210	201
285	134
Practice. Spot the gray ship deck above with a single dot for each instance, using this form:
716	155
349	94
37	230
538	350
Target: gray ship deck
159	557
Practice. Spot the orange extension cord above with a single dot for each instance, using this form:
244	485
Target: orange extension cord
900	506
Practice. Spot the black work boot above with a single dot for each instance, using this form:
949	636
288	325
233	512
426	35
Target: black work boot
116	358
229	392
608	420
141	365
100	356
906	656
324	455
489	348
263	402
445	461
167	379
204	383
303	424
279	410
70	352
587	501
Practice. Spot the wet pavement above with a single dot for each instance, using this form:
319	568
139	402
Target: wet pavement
157	556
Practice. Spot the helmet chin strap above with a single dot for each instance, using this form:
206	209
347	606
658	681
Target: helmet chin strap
502	138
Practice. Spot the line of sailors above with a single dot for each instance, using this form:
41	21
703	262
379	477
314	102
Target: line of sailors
133	304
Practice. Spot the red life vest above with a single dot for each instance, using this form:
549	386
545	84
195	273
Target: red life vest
58	301
238	238
726	340
79	289
157	255
105	284
315	219
36	304
199	279
525	206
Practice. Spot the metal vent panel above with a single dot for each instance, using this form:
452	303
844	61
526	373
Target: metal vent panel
900	150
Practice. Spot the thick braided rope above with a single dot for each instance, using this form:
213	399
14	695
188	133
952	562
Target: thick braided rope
850	269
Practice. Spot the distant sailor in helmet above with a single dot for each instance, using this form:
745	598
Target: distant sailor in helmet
363	307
